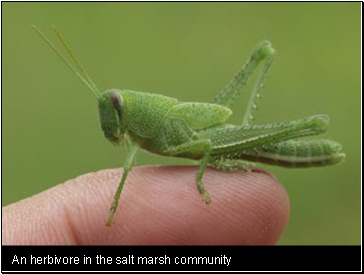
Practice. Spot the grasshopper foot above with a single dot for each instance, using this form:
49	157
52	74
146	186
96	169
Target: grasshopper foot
205	194
206	197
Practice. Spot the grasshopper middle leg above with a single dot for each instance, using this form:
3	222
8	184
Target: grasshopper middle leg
196	147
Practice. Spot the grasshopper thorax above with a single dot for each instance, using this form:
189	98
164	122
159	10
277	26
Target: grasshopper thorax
111	114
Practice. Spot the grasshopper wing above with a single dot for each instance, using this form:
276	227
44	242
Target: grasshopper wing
200	115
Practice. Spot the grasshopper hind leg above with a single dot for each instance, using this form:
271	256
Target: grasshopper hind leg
229	165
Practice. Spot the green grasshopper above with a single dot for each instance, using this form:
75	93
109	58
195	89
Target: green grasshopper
198	131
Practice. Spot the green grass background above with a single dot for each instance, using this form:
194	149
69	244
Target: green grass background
190	51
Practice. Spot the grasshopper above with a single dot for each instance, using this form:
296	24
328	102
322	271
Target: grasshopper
198	131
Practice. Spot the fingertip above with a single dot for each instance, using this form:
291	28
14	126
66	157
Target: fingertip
159	205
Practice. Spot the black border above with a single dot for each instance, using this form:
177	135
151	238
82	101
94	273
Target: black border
307	258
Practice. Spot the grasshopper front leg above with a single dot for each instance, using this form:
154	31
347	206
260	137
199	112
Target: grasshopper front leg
128	165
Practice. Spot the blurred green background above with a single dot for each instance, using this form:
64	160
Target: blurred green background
190	51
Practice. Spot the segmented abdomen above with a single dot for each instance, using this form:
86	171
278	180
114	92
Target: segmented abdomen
297	153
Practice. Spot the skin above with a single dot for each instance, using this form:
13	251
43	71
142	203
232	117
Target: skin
159	206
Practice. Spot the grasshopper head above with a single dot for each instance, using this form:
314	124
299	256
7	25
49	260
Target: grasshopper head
111	114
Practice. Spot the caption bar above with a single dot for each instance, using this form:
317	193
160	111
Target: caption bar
127	260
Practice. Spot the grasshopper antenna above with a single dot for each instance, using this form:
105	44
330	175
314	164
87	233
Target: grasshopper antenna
85	78
74	58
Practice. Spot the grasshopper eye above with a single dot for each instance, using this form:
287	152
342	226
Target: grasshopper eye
116	102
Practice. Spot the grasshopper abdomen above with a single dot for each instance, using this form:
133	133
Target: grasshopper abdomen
297	153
